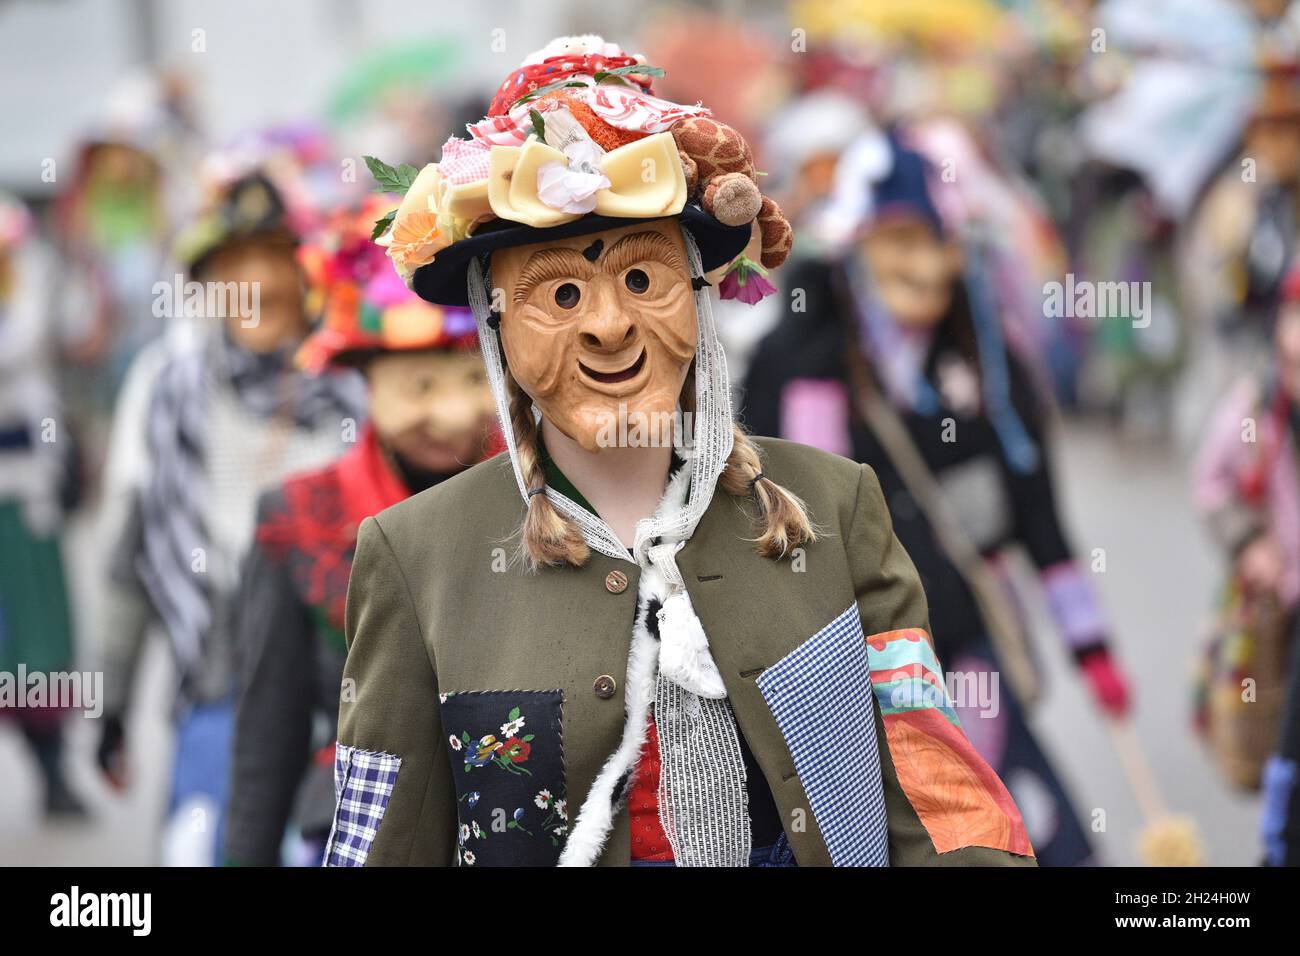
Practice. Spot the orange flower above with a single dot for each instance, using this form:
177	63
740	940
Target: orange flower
416	239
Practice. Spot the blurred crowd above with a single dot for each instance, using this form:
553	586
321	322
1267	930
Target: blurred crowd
1005	211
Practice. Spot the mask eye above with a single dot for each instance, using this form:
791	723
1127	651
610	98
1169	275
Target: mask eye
567	295
637	281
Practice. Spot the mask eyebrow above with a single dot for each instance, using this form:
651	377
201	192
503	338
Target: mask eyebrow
640	246
546	264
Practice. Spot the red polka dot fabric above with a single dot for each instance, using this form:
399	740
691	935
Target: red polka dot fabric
527	78
649	842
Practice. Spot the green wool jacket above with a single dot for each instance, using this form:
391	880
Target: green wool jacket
438	613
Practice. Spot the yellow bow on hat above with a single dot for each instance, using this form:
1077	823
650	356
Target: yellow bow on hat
645	181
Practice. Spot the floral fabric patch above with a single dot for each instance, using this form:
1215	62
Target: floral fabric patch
363	782
507	761
960	799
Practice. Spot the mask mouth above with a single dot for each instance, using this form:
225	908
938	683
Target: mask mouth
916	285
615	378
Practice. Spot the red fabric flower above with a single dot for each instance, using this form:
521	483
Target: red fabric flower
516	750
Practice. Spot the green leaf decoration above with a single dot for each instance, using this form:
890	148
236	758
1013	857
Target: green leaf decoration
539	130
744	267
543	90
600	76
630	70
390	179
513	715
382	224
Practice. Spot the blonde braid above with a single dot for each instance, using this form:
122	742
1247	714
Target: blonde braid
545	536
783	515
549	537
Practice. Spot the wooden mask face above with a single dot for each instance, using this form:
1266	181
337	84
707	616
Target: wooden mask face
270	269
600	328
912	269
434	407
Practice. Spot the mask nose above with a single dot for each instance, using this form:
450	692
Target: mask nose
606	328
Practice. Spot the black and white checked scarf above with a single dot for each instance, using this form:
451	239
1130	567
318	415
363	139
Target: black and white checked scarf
172	501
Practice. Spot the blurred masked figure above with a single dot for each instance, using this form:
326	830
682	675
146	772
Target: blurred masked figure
897	359
1248	489
431	416
35	619
114	220
210	427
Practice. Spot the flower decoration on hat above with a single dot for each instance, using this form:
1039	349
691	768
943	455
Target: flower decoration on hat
577	131
364	305
746	281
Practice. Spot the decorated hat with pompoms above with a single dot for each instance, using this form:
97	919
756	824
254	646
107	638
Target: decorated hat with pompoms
576	142
365	307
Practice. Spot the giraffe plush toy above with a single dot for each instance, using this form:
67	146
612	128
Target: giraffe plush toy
720	174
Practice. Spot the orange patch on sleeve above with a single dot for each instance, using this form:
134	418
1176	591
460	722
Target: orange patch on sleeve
960	800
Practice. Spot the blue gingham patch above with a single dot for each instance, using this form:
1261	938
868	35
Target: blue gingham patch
820	694
363	782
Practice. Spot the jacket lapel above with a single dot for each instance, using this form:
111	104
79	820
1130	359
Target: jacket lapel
732	590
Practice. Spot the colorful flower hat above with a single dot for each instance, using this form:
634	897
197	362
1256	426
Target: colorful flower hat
575	142
365	306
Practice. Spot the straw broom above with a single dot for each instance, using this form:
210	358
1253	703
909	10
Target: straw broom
1165	839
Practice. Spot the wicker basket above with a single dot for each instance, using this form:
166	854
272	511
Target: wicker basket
1243	684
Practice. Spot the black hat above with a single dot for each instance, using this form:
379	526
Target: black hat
250	208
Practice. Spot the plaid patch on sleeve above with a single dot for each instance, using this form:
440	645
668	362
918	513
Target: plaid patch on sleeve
820	694
363	782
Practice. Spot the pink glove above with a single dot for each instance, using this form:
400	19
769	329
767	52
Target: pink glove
1107	682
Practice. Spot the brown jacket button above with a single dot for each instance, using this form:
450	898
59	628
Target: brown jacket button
604	687
616	582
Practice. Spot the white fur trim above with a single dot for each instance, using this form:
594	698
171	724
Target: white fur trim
595	818
684	656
